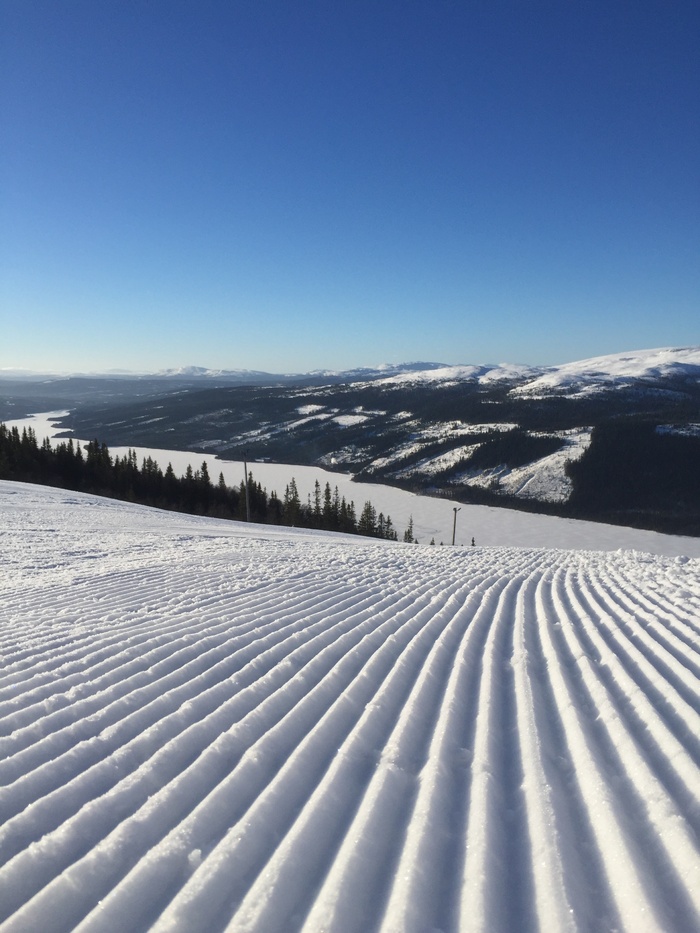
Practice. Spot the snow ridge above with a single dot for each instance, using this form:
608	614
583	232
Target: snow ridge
619	369
581	376
208	726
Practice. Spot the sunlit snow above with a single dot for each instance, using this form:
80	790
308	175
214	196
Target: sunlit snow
587	376
208	725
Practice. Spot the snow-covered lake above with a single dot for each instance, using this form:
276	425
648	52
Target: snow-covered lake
208	726
433	518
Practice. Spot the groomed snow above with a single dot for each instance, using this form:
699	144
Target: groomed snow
209	726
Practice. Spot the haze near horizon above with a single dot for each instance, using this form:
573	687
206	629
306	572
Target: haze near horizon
289	188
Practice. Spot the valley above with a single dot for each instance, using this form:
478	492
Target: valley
545	440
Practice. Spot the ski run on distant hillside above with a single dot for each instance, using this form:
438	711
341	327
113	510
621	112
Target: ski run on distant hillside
209	726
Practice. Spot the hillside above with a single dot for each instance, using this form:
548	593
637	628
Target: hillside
210	726
530	438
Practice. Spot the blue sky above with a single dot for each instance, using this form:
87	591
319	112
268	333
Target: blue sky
282	185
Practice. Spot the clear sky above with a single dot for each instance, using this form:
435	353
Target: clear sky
281	185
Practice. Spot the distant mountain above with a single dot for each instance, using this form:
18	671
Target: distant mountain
188	374
619	369
616	437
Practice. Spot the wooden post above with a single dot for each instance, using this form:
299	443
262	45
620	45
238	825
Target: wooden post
247	496
454	524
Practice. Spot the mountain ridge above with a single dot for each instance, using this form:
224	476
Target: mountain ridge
635	364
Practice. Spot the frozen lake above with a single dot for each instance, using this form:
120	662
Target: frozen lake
432	517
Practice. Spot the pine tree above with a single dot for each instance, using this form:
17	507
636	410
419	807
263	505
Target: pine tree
317	513
335	509
367	524
274	509
204	488
204	474
291	503
171	487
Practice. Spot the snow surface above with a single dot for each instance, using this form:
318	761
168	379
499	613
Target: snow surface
586	376
581	377
309	409
460	373
347	421
210	726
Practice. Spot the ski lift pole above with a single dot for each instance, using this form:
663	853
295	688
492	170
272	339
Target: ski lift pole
247	495
454	524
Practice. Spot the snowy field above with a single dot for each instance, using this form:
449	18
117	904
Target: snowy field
209	726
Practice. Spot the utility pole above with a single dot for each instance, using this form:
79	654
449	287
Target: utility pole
454	524
247	496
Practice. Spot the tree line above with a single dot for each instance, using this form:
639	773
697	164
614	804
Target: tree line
93	469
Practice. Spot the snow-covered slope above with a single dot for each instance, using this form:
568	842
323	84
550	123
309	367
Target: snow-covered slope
583	376
580	377
617	370
545	479
209	726
503	372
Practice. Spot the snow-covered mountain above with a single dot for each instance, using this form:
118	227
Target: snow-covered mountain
616	368
582	377
496	433
623	370
207	726
440	374
188	374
